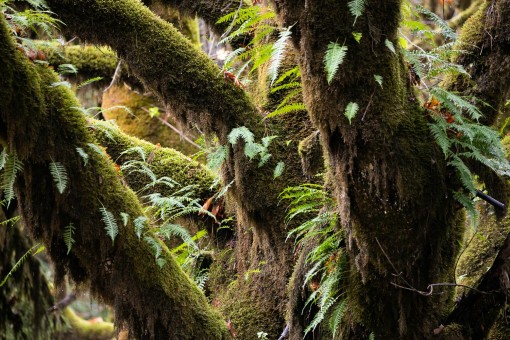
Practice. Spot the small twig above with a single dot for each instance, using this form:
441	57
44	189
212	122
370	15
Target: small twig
115	77
186	138
431	286
368	105
66	301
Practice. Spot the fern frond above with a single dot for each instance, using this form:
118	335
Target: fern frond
337	316
84	156
88	82
11	221
172	229
20	262
357	7
241	132
447	32
12	166
295	107
111	227
59	174
277	54
390	46
351	110
125	218
278	170
140	222
155	245
334	56
68	237
216	158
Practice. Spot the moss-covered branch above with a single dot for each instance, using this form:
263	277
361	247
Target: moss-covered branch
164	162
485	40
185	79
40	126
209	11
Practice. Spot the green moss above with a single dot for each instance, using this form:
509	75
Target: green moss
159	302
85	330
156	52
137	121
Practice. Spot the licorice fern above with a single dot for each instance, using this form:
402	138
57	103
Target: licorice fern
32	251
59	174
327	260
334	56
10	170
68	236
357	7
111	227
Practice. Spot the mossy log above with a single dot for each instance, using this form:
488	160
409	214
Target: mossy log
39	125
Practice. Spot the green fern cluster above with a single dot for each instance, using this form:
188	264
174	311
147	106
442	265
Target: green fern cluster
10	166
454	119
327	260
258	24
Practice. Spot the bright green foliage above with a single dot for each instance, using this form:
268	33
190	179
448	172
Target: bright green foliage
357	7
125	218
378	79
328	260
12	165
241	132
68	236
351	110
111	227
59	174
277	54
447	32
334	56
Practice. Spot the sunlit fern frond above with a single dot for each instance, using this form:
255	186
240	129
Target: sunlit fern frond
111	227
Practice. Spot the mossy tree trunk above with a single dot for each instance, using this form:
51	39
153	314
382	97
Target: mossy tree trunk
39	126
392	184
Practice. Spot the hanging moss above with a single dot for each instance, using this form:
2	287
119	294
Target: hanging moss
39	124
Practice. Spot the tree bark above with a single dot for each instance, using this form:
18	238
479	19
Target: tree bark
39	125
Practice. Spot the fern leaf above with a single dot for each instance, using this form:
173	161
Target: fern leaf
3	158
140	223
172	229
277	54
59	174
241	132
216	158
84	156
356	7
390	46
11	221
97	149
334	56
88	81
336	317
278	170
68	237
447	32
136	149
21	261
125	218
111	227
351	110
378	79
286	109
12	166
155	245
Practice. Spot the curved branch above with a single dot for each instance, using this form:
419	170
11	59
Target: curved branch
39	124
184	77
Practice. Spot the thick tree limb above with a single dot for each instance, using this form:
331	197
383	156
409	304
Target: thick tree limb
185	79
38	123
